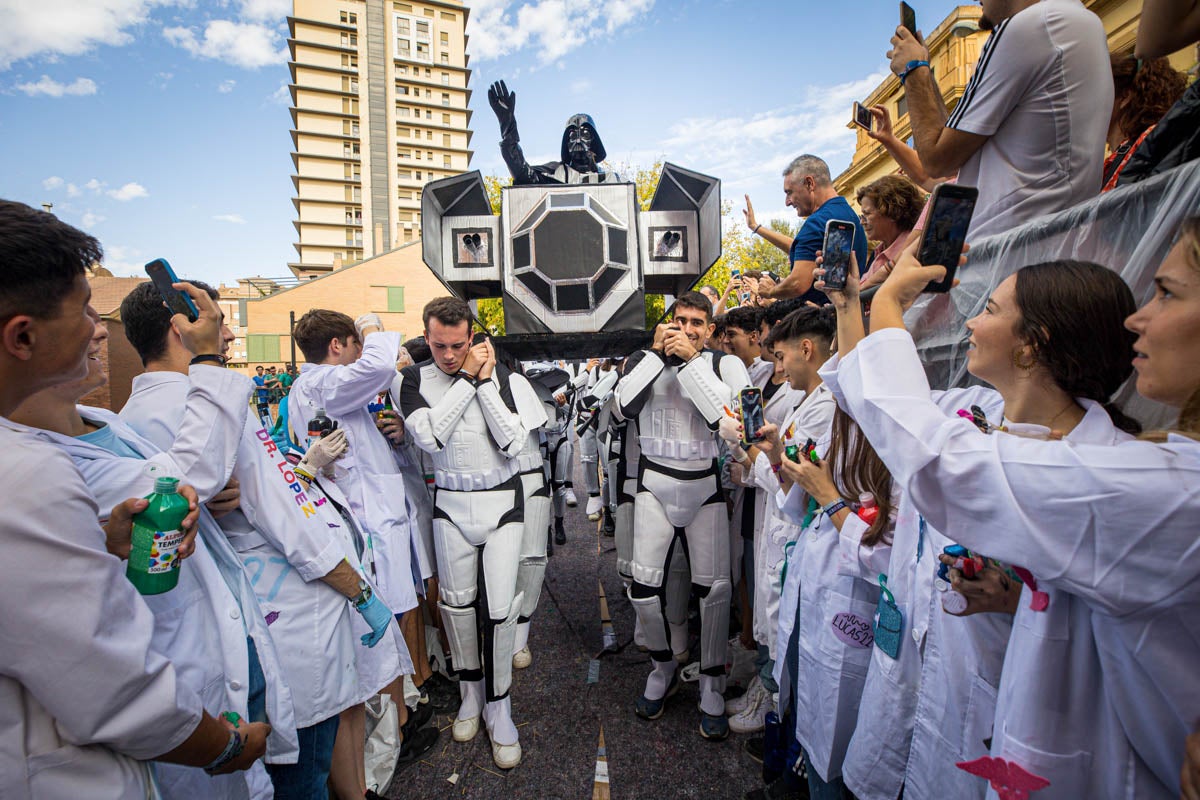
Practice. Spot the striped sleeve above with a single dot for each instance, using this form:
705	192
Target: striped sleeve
996	86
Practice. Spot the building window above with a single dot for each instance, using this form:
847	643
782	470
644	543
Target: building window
445	99
444	38
405	216
404	174
446	162
445	58
428	115
403	194
395	299
354	216
404	133
408	234
403	27
445	140
402	7
428	12
401	70
428	134
901	106
445	79
402	111
445	119
404	153
417	174
262	346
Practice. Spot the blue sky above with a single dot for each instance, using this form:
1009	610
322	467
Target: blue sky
161	126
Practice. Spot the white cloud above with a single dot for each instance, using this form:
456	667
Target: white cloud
754	150
53	182
94	185
90	220
52	88
235	219
281	96
240	44
122	260
73	190
225	87
266	10
67	27
551	27
128	192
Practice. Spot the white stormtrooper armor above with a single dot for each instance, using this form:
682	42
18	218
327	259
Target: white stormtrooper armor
599	387
531	570
474	432
679	502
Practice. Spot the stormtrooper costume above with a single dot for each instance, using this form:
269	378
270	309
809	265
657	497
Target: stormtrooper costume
532	567
475	431
599	389
679	503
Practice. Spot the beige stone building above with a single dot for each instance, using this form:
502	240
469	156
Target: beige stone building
953	50
395	285
379	108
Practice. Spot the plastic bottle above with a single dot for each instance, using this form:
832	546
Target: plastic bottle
320	425
868	510
153	566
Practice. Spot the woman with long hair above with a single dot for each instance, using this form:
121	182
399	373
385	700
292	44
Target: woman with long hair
1051	347
1107	533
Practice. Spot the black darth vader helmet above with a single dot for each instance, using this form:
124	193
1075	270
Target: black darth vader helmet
582	123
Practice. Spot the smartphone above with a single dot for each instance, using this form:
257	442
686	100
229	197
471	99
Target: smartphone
751	402
950	210
908	17
835	252
178	302
862	116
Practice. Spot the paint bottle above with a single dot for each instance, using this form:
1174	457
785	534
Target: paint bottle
153	566
320	425
868	509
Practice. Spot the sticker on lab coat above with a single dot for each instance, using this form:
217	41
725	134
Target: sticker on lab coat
853	630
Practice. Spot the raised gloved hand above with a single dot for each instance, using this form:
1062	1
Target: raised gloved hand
378	616
368	320
730	429
503	103
324	451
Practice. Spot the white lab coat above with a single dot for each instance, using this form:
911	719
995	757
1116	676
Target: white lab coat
286	540
367	474
202	625
411	461
1114	526
84	691
879	751
834	593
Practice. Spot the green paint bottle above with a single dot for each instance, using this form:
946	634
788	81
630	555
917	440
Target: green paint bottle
153	566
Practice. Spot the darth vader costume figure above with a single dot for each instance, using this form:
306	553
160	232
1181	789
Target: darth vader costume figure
581	151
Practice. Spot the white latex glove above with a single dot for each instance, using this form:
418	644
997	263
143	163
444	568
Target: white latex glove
325	451
730	429
366	321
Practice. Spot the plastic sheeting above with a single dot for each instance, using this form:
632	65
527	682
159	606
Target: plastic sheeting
1128	230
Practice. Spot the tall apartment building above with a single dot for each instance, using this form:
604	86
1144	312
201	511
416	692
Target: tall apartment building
379	109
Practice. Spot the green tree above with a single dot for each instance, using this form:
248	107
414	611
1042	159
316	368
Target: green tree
490	310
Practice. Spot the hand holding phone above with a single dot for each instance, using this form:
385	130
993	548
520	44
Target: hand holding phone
950	211
862	116
836	251
164	279
908	17
751	404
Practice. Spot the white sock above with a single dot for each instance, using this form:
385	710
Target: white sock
472	698
522	637
711	702
498	716
660	678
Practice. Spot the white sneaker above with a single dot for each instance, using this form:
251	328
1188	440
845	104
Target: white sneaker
753	717
594	505
739	704
569	496
522	658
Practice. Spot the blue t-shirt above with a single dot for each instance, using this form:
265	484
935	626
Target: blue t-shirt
812	236
264	394
105	437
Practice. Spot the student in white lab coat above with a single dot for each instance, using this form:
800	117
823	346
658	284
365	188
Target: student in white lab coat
1110	527
292	545
85	697
209	625
349	364
1038	328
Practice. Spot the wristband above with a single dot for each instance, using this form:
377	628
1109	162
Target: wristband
756	227
232	750
834	507
303	473
910	66
213	357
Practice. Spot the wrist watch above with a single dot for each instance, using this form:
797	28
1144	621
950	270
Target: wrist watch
364	594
